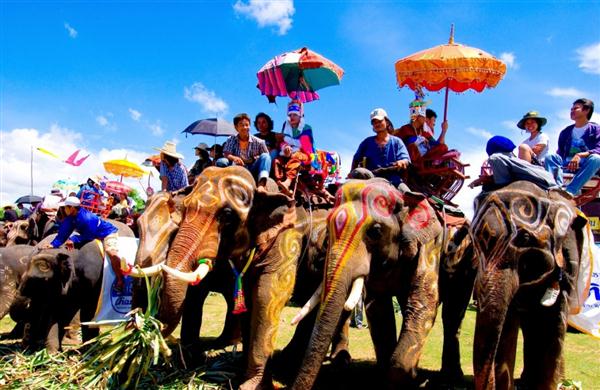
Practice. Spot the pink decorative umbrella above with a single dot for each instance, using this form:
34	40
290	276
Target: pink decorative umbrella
298	74
116	187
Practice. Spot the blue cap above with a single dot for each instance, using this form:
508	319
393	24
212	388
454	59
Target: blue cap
499	144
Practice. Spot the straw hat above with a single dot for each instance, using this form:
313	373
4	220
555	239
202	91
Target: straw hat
170	149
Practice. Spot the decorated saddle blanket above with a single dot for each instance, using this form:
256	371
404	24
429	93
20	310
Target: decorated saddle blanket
114	303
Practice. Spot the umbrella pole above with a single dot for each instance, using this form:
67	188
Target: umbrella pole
446	104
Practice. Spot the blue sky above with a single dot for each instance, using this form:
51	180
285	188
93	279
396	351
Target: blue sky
117	79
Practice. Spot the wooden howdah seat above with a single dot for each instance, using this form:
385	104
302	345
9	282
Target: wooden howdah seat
590	190
94	203
442	176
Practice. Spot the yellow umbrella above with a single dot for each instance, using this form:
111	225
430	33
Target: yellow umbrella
452	66
124	168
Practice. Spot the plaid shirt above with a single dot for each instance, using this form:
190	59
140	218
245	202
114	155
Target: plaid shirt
176	177
256	147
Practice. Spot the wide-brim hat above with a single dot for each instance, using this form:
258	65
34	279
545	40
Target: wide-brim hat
170	149
532	115
202	146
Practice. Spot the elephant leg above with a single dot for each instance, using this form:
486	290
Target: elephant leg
290	358
269	296
232	330
86	313
53	338
455	293
382	326
191	319
15	333
507	350
543	337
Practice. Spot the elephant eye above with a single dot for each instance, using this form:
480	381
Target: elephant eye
227	216
375	232
42	266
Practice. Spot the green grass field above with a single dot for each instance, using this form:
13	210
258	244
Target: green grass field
582	351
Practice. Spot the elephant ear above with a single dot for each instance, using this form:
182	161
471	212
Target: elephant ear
270	214
66	271
418	224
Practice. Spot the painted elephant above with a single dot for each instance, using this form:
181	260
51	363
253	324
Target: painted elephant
523	235
224	217
391	243
157	228
59	283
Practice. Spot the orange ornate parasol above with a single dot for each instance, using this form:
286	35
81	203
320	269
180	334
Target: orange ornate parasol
124	168
452	66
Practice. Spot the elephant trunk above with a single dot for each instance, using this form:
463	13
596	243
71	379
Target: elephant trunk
325	327
187	247
495	290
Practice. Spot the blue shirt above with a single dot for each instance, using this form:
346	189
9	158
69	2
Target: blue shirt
382	156
87	224
176	176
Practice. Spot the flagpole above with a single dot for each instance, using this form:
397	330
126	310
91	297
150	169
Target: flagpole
31	167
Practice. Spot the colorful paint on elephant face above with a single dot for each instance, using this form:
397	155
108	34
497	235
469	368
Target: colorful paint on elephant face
156	226
216	189
359	204
503	217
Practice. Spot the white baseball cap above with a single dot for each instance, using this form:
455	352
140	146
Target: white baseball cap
379	114
70	201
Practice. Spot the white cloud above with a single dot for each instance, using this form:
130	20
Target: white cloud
105	121
207	99
510	60
483	133
102	120
135	114
72	32
156	128
464	198
565	92
268	13
589	58
15	152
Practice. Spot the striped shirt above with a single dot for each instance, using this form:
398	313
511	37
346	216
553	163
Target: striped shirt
256	147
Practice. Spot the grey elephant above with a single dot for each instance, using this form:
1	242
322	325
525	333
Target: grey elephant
226	217
58	283
525	238
390	243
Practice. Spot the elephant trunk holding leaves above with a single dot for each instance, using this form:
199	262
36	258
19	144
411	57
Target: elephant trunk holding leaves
392	241
523	236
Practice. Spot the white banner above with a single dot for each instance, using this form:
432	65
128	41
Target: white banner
114	304
585	312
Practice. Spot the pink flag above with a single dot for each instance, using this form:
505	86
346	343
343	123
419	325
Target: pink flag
71	160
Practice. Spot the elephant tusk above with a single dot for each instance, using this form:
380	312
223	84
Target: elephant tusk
138	272
355	293
308	306
190	277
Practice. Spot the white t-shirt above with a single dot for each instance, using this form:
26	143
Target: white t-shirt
541	138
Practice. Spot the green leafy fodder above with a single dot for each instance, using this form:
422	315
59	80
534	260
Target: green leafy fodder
123	355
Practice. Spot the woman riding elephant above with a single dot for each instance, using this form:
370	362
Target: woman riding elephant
524	237
391	243
58	283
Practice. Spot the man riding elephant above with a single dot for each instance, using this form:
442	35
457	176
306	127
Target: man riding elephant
90	227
